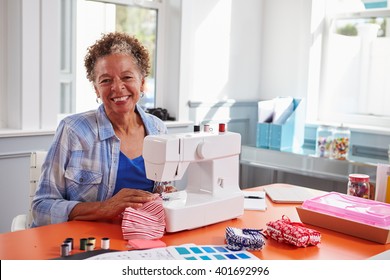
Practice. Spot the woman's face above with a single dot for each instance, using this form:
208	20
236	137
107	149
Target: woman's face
118	83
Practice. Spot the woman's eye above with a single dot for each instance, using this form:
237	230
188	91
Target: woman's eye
105	81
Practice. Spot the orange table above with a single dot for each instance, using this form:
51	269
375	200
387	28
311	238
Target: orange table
44	242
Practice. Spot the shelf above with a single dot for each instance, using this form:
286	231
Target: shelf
305	164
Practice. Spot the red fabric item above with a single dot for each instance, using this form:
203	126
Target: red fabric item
147	222
297	234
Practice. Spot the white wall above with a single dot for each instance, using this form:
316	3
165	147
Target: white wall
3	20
171	68
29	92
244	50
220	50
285	37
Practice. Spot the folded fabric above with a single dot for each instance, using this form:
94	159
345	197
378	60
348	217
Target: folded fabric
297	234
141	244
147	222
244	239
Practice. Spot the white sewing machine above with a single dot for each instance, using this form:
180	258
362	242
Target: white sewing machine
212	160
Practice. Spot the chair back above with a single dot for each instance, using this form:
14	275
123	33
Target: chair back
36	161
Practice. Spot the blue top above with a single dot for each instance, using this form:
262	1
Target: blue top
81	164
132	174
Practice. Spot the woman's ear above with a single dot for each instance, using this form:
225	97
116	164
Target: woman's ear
97	95
96	91
143	85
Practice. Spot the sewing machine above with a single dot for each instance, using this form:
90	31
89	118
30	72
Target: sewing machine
211	159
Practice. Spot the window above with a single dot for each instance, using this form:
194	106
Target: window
138	18
45	78
356	74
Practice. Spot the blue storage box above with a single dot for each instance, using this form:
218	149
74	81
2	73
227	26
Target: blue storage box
262	135
286	136
375	4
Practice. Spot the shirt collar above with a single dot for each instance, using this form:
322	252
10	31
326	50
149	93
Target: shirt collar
104	124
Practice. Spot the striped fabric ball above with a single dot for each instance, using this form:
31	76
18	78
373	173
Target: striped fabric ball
147	222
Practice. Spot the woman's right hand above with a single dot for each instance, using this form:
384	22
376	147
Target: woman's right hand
112	207
127	198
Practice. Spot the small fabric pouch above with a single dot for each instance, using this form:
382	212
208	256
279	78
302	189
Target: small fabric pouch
244	239
147	222
141	244
297	234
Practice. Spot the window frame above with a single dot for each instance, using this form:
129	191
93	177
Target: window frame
68	54
369	122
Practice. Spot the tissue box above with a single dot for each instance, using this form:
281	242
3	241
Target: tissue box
287	135
351	215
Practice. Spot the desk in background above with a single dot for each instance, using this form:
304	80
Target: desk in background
306	164
264	166
44	242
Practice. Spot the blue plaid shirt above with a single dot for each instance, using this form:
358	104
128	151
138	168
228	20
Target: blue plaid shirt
82	164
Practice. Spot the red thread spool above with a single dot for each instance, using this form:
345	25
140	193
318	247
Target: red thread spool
222	127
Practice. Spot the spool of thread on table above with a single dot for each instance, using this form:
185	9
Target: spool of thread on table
83	243
89	247
69	244
70	239
92	240
64	250
105	243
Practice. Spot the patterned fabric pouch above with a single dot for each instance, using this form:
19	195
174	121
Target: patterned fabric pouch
297	234
244	239
147	222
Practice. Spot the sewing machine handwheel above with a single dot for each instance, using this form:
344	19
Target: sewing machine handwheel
204	150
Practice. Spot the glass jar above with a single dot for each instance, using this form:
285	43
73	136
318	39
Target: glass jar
340	145
324	141
359	185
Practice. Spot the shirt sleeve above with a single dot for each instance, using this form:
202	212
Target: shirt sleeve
49	205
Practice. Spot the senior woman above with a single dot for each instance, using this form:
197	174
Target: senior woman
94	168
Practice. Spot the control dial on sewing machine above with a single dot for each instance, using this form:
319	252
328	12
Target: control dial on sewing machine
204	150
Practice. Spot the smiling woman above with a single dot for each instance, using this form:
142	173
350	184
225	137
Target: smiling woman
94	169
140	20
117	66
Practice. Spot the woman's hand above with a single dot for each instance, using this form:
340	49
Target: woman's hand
112	207
127	198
